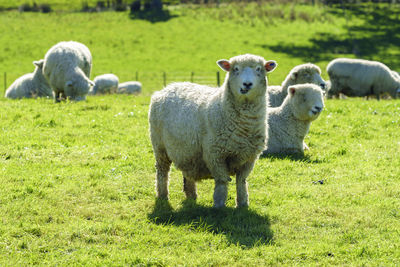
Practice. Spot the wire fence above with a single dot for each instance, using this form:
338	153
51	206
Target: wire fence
151	80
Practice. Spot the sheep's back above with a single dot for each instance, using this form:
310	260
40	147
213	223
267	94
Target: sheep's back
64	57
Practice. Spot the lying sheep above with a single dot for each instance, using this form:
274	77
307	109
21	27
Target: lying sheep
67	67
358	77
104	84
305	73
132	87
289	123
212	133
30	85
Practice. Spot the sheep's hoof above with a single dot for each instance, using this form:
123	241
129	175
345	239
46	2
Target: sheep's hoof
219	205
243	206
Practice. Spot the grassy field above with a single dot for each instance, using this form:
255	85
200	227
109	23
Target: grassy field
78	178
191	39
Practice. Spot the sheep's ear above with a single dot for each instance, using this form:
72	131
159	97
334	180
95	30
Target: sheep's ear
292	91
224	64
38	63
270	65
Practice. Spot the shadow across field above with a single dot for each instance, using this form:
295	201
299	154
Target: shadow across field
369	39
240	226
292	157
152	16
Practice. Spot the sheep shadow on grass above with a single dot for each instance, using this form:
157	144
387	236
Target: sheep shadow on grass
241	226
291	157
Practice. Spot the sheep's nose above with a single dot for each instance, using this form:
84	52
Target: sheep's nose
323	85
248	85
318	109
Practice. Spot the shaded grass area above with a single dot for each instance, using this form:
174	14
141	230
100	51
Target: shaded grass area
243	227
371	32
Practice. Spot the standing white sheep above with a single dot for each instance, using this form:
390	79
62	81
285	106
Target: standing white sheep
304	73
132	87
289	123
359	77
30	85
104	84
67	67
212	132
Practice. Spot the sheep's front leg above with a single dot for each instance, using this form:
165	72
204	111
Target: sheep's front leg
242	195
220	194
219	171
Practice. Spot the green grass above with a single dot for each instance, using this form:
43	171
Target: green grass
78	188
78	178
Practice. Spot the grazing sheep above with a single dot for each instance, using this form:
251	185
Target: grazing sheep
30	85
129	88
289	123
104	84
67	67
212	132
304	73
358	77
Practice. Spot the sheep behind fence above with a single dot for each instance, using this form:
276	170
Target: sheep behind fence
151	80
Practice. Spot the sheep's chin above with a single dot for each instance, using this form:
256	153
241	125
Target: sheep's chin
244	91
313	115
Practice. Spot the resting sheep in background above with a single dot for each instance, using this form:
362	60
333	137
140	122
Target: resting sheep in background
104	84
67	67
289	123
212	132
304	73
358	77
30	85
132	87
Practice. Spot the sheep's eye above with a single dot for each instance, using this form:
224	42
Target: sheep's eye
236	69
258	69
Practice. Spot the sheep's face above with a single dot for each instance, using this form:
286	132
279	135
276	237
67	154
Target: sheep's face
246	75
308	73
307	101
78	89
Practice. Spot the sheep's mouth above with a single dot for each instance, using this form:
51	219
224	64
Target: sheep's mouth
244	90
314	112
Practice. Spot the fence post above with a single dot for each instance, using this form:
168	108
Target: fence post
165	78
192	76
218	83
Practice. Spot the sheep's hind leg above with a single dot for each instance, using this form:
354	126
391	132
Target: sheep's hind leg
163	164
189	187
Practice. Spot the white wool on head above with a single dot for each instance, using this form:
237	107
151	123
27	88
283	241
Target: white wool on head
289	123
304	73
